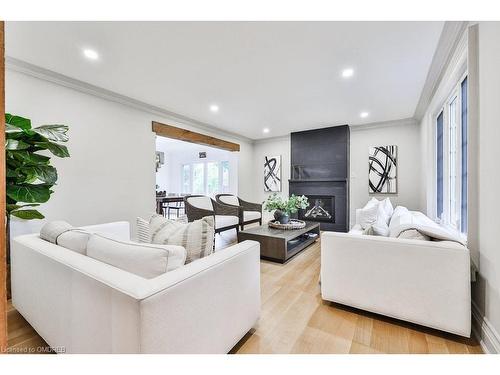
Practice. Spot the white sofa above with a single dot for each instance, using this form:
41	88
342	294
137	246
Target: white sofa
86	306
423	282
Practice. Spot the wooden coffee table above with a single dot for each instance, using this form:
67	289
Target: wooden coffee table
280	245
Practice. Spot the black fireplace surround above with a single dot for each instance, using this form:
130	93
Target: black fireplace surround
320	170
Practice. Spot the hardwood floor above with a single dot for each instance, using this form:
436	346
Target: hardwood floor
294	319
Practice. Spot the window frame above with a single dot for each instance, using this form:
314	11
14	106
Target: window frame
205	176
455	222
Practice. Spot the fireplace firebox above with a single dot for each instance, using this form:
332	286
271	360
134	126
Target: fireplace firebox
321	208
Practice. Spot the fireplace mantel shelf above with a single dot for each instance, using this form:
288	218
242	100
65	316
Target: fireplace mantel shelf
319	180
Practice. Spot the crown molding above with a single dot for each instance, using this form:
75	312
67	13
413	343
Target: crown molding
449	40
36	71
383	124
272	139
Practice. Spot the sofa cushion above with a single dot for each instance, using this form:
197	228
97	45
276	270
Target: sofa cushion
251	215
74	239
196	237
144	260
413	234
229	199
64	234
53	229
205	203
222	221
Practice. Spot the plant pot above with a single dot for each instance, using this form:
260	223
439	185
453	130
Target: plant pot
277	215
284	219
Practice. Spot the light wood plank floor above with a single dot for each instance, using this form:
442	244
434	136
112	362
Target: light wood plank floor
294	319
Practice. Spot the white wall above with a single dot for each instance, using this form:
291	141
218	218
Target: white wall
486	291
110	174
406	135
271	147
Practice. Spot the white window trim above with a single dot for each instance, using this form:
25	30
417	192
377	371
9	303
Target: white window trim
453	76
446	221
205	175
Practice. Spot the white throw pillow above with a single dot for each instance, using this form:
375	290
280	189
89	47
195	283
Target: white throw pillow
388	208
380	227
144	260
367	216
196	237
143	234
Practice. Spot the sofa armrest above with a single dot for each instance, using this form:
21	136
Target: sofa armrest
206	306
249	206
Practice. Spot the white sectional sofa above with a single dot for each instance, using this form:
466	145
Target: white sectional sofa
83	305
423	282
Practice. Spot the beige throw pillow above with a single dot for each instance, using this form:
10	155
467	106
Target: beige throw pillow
143	234
196	237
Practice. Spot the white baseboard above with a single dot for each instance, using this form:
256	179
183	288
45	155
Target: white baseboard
488	337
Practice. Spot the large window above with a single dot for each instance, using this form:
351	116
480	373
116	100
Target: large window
206	178
451	159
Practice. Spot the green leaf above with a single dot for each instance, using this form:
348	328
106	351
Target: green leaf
29	193
12	129
13	144
27	214
12	173
14	207
29	157
55	133
45	173
18	121
56	149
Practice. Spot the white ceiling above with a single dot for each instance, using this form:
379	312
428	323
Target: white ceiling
285	76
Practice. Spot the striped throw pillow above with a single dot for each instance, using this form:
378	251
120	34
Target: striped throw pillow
143	235
196	237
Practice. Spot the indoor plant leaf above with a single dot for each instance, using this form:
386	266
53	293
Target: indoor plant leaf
55	133
27	214
12	129
18	121
56	149
14	207
29	193
13	144
29	157
45	173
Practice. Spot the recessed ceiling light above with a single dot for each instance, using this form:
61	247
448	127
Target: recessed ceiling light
265	130
346	73
214	108
363	114
90	54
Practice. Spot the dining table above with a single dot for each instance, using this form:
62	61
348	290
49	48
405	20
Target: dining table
160	200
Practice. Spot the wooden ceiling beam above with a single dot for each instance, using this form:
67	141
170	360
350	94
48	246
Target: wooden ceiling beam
180	134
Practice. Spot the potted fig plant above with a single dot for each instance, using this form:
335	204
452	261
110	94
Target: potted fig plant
29	175
283	208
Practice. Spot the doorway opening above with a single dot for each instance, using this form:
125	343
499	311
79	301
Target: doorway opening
188	168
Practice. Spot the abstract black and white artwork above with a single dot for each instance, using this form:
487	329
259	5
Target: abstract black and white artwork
272	173
382	170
